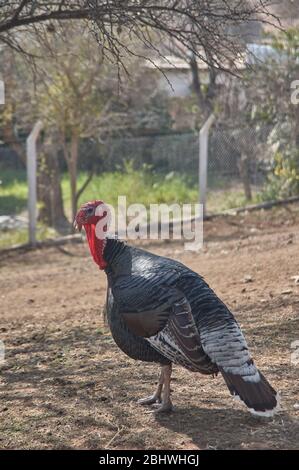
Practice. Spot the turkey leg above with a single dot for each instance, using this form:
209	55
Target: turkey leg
156	397
161	397
166	404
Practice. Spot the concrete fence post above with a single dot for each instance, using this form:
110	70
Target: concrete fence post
203	161
31	179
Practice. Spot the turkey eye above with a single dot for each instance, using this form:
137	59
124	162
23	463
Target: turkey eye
90	210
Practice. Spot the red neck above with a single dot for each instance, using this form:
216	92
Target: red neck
96	245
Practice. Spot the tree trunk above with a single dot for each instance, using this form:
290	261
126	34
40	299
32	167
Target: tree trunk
72	167
205	100
49	190
244	169
196	85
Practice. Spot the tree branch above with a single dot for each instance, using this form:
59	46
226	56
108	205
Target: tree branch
54	15
196	24
85	184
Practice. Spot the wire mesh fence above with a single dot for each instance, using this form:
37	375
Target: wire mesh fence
164	153
180	153
237	159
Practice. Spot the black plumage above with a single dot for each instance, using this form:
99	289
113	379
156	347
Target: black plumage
160	311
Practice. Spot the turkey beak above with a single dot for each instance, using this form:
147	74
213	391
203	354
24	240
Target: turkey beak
77	225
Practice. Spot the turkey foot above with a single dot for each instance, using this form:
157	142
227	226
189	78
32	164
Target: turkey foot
151	400
163	408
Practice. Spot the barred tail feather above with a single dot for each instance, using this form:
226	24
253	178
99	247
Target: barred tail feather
258	396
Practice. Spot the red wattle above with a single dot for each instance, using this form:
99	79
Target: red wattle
96	245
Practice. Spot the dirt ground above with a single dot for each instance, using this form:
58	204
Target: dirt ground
64	383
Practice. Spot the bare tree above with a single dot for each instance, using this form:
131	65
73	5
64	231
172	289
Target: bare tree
76	94
74	104
204	94
199	25
16	120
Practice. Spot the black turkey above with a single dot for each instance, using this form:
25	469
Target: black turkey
160	311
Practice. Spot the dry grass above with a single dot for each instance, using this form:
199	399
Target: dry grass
65	384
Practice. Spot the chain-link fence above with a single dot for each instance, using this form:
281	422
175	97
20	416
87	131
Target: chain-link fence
239	163
180	152
163	153
234	154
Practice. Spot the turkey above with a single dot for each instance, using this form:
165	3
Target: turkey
159	310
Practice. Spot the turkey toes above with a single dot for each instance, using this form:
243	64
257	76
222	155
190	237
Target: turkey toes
153	399
166	407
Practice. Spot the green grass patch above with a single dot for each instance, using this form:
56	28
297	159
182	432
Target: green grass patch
221	200
139	186
143	187
10	238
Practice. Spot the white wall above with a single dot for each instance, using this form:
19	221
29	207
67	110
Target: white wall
181	81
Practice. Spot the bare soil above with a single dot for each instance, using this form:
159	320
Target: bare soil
64	383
